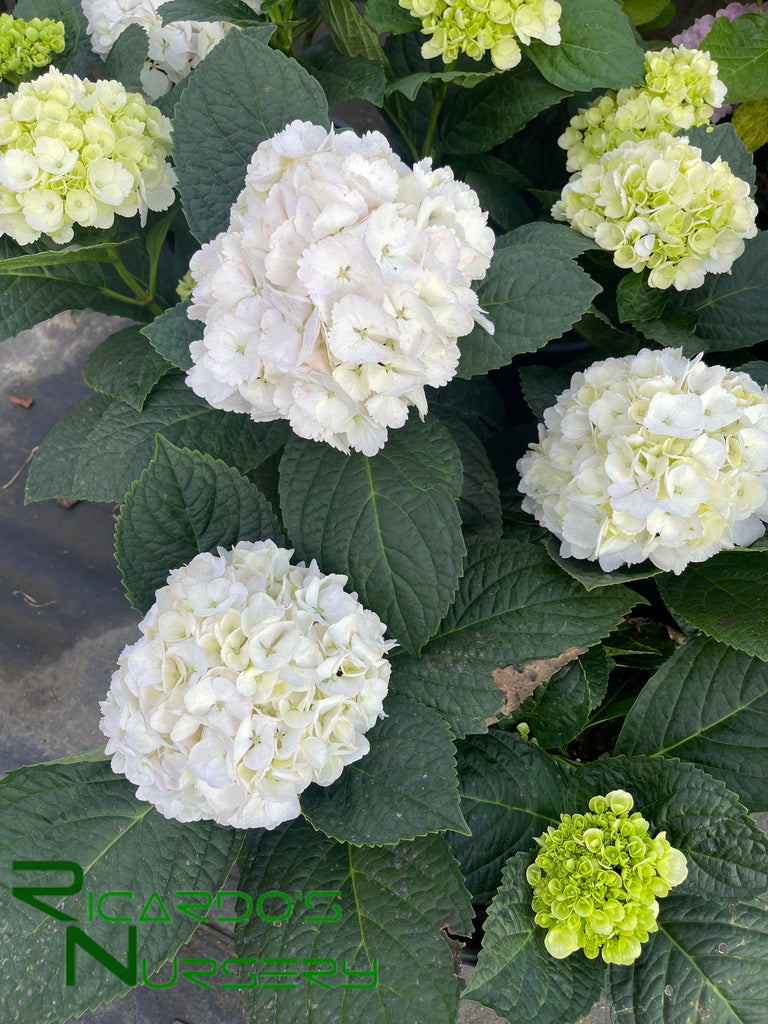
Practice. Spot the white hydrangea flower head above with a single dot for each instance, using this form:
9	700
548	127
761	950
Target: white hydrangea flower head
79	152
681	90
657	204
652	456
496	26
253	678
174	49
340	288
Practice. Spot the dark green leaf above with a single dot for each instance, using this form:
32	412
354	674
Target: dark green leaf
72	253
511	791
598	48
757	370
637	302
707	962
342	77
125	366
709	705
545	235
725	597
500	189
515	975
558	709
643	11
389	522
514	599
127	57
52	473
541	386
389	16
740	48
172	333
477	402
532	295
591	576
405	787
410	85
480	504
243	92
349	32
78	810
731	309
209	10
392	903
184	503
493	111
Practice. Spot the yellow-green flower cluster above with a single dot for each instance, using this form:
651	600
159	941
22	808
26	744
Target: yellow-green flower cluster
597	879
475	27
658	204
681	89
25	45
78	152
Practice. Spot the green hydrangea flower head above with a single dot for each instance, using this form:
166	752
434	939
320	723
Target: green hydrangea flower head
681	90
597	879
657	205
79	152
25	45
185	287
475	27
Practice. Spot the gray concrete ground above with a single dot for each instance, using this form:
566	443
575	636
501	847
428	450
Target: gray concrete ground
65	621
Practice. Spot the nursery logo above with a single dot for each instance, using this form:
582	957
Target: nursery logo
123	907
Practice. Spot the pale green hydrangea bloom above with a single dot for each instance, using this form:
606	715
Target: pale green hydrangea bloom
681	89
658	204
79	152
185	287
597	880
25	45
477	26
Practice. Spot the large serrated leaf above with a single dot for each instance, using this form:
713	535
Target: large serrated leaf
343	77
392	903
390	522
727	853
209	10
591	576
491	112
405	787
707	704
515	975
708	962
184	503
480	504
740	48
172	333
510	791
80	811
598	48
122	441
514	599
731	309
125	366
532	295
349	32
725	597
244	92
127	57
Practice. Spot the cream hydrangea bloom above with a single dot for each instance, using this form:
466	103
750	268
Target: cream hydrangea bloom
79	152
174	49
340	288
652	456
476	26
253	678
597	880
680	90
656	204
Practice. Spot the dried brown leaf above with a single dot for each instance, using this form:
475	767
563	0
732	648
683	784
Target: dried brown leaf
517	682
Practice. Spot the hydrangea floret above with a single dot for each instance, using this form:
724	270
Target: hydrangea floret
680	90
340	288
253	678
79	152
652	456
597	880
475	27
25	45
174	49
658	205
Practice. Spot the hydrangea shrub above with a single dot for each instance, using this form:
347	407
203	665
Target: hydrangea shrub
419	678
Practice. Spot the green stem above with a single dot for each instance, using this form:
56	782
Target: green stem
309	32
144	296
439	96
